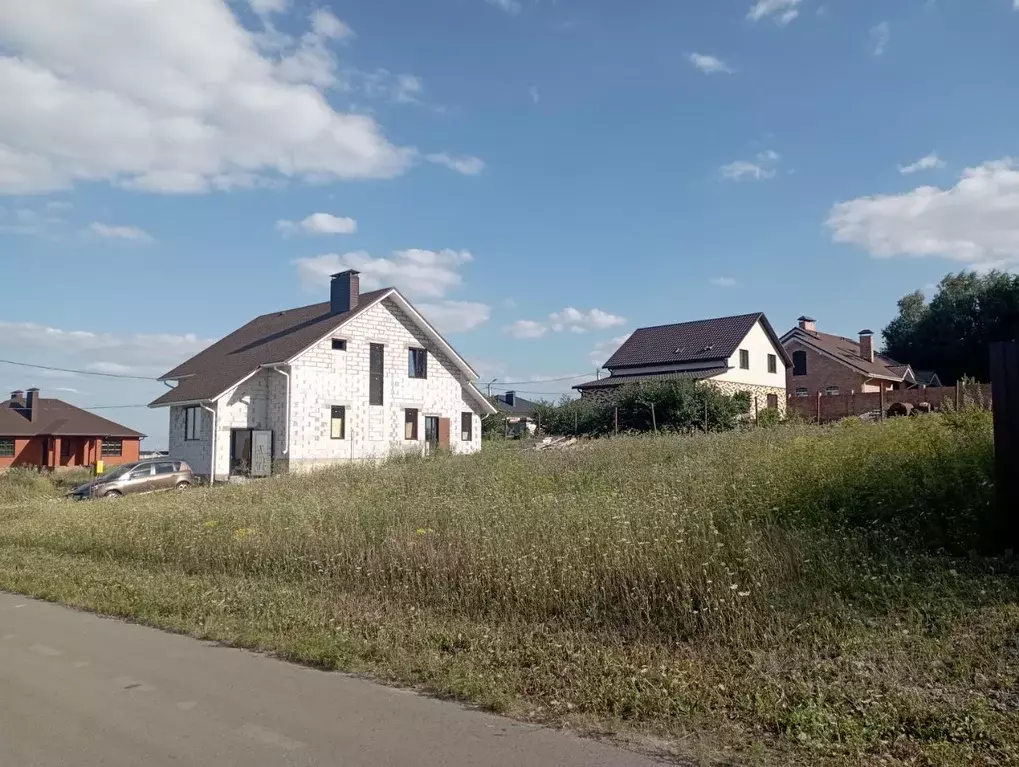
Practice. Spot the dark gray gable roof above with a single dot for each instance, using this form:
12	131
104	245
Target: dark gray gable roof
520	405
271	338
686	342
59	419
927	377
847	351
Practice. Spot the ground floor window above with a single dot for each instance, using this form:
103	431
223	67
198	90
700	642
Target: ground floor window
831	391
466	427
65	448
113	448
192	423
802	392
410	423
772	401
6	448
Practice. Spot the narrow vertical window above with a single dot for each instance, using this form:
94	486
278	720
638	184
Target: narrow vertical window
376	364
466	427
744	359
417	363
410	423
337	422
772	363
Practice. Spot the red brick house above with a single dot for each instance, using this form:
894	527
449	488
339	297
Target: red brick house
38	432
830	365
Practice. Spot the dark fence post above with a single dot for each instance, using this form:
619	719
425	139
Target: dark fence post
958	395
883	403
615	420
1005	399
819	408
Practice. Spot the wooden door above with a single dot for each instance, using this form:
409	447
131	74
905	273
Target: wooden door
443	434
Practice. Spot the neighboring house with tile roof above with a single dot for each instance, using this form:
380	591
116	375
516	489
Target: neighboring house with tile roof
358	377
43	433
735	354
830	365
519	413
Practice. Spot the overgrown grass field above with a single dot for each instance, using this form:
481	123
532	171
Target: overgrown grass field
797	595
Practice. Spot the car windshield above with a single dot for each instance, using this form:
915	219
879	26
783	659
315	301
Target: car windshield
117	473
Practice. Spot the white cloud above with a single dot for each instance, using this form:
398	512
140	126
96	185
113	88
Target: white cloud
784	11
536	94
171	95
605	349
467	165
455	316
383	84
513	6
880	35
128	354
924	163
27	221
569	320
263	7
132	233
419	274
319	223
526	329
577	321
723	282
975	222
709	65
762	167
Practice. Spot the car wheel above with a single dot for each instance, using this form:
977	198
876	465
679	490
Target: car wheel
183	485
113	494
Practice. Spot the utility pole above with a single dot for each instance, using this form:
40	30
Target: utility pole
490	387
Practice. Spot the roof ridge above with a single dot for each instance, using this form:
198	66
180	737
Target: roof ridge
693	322
317	303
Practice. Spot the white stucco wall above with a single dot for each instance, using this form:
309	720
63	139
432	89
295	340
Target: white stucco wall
760	346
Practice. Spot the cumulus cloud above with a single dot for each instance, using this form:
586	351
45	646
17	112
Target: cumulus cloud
108	232
880	36
783	11
975	222
761	168
429	275
709	65
176	96
569	320
148	354
526	329
924	163
319	223
467	165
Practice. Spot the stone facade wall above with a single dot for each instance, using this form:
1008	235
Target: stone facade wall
758	395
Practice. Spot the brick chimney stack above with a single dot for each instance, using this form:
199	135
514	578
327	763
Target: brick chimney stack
32	404
808	323
867	345
344	291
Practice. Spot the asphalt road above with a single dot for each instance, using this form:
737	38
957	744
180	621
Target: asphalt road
83	691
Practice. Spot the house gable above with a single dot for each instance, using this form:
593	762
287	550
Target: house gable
758	344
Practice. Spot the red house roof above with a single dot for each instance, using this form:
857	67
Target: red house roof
54	417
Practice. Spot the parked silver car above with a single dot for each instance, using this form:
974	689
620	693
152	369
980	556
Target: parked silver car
149	476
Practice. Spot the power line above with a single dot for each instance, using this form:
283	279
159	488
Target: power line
79	372
503	384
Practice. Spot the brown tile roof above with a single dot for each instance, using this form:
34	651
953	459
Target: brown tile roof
59	419
270	338
620	379
686	342
847	351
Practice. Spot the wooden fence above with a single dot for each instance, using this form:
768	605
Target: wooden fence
1005	383
824	409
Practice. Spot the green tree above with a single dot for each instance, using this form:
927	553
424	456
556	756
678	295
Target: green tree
952	333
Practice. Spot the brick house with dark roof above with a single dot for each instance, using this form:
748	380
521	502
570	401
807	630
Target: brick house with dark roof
735	354
829	365
40	432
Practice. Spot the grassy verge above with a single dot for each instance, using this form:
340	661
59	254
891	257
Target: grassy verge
784	596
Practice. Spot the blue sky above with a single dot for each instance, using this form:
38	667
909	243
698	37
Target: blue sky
540	176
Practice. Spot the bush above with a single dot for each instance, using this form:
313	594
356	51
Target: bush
666	406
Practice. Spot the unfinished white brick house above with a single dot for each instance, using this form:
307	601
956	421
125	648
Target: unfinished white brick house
360	377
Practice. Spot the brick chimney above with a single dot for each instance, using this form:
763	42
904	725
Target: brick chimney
17	399
344	291
867	345
32	404
511	398
808	323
